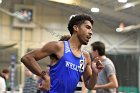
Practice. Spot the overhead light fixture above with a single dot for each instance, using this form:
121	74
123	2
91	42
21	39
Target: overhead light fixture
122	1
67	1
95	10
121	27
128	28
127	5
0	1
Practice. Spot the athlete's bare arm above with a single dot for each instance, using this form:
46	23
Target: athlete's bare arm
31	58
90	75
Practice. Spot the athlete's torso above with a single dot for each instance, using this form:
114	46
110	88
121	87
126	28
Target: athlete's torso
66	73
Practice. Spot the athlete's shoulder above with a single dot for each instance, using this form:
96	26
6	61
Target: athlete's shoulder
85	53
54	44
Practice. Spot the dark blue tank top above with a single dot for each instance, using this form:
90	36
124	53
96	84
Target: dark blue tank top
66	73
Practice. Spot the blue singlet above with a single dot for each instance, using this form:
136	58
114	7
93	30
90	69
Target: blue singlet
66	73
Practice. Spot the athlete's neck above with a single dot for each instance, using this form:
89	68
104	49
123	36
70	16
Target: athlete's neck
74	43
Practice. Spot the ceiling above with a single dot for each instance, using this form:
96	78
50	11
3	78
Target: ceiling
111	11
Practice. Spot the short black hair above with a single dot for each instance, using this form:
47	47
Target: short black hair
78	20
99	46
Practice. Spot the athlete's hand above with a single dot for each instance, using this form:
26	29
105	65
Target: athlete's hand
97	65
45	85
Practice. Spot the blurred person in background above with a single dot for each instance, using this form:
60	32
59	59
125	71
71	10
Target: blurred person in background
30	85
6	74
107	80
2	84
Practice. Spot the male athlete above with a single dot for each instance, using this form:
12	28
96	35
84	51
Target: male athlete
72	61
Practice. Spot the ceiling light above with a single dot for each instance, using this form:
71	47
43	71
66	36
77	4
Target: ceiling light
119	29
128	28
129	5
0	1
67	1
122	1
94	9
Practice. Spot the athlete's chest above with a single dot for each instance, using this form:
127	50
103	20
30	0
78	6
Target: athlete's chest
73	63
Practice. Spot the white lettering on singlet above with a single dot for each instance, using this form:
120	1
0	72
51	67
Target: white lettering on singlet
74	66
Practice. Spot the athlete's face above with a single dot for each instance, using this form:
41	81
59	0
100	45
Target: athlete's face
85	32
